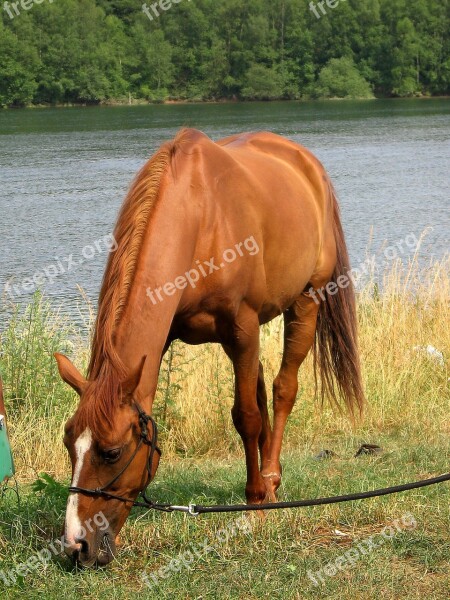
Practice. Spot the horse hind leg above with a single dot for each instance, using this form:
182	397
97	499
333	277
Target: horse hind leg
265	437
299	331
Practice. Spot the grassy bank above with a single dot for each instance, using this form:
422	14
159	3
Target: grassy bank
262	560
408	415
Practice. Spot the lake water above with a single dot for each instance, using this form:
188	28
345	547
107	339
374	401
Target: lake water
64	174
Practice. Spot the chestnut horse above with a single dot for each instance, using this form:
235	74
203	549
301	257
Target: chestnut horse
213	240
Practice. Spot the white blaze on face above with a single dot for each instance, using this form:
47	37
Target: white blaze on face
73	524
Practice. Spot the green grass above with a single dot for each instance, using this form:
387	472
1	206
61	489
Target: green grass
408	415
272	559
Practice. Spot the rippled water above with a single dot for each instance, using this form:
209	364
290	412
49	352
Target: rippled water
64	174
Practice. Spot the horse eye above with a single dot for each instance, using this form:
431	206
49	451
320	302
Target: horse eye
112	456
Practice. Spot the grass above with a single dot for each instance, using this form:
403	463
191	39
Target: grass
408	415
272	559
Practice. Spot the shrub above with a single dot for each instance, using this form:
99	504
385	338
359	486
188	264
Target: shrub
341	79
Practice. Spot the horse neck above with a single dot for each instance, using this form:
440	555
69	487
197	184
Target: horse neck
167	253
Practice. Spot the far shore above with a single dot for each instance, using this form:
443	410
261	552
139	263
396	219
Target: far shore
169	102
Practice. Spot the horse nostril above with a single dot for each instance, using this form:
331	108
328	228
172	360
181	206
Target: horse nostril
83	546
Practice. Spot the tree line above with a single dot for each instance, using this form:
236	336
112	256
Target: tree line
87	51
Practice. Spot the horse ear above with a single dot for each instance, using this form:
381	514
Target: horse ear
69	373
132	384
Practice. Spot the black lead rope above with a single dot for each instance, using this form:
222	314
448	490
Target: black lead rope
198	509
194	509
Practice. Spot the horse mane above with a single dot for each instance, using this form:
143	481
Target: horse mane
106	372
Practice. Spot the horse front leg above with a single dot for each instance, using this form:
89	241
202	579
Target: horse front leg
246	414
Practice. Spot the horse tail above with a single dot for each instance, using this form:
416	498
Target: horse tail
336	355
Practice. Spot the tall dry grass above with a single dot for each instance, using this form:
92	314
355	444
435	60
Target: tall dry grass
400	314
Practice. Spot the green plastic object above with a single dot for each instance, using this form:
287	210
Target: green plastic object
6	459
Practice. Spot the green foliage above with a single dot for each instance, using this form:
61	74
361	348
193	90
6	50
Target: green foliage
173	367
27	363
262	83
88	51
341	79
17	64
50	489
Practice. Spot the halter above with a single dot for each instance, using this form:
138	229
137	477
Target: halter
144	420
